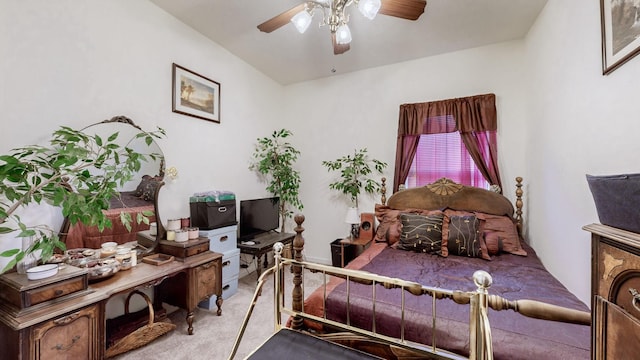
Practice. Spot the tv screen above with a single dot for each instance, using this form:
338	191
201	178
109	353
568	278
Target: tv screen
258	216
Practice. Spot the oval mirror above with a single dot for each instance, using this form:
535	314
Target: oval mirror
137	195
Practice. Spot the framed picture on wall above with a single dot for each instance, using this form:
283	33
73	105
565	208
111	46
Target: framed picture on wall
620	22
195	95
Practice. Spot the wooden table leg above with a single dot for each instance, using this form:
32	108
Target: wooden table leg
258	266
219	301
190	317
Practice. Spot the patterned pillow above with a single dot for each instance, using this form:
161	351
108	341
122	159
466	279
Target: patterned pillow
421	233
464	237
389	225
147	188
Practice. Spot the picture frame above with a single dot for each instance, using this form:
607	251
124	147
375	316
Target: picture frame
195	95
620	27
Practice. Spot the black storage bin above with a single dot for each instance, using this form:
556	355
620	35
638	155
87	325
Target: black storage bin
336	253
617	199
208	215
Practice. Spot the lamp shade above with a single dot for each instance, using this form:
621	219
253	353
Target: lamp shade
369	8
343	34
353	217
301	21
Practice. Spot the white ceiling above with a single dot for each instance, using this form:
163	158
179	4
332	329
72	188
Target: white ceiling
289	57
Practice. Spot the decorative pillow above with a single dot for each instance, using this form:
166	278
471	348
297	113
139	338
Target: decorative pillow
500	234
389	224
448	214
421	233
146	190
464	237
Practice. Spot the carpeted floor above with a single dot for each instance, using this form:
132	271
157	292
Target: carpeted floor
213	335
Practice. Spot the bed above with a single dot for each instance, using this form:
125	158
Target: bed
469	229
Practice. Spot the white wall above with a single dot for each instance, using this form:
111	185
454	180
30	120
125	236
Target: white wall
332	117
578	122
74	63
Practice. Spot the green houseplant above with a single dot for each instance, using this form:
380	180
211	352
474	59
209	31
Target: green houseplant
274	159
77	172
356	173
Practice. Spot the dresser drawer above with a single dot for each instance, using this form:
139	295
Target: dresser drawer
223	239
614	267
208	280
53	291
73	336
21	293
230	265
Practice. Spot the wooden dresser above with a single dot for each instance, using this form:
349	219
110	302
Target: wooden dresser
615	286
73	327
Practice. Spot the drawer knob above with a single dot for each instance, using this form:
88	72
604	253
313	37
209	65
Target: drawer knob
636	298
224	238
226	263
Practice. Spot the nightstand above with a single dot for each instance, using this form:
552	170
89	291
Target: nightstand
360	243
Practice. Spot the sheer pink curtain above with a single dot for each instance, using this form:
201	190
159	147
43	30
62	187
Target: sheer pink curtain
475	119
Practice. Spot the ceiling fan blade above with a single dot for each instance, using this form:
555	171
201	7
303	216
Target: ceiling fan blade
280	20
405	9
338	48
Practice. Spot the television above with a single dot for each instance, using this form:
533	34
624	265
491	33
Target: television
258	216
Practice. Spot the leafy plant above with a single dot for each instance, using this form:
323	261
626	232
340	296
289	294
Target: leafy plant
355	174
274	158
78	172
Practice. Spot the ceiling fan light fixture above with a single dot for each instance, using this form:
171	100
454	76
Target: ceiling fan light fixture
343	34
369	8
301	21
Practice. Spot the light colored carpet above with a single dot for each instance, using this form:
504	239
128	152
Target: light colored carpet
213	335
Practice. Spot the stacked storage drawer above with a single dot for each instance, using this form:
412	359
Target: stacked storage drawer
224	240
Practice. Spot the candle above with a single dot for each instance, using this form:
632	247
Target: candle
171	235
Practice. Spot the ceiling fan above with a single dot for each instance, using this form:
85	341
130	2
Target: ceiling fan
335	16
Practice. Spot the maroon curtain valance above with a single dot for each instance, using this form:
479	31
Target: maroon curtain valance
471	114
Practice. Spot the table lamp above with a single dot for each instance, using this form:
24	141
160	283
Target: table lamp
353	218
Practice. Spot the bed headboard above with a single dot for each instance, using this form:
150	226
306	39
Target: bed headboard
445	193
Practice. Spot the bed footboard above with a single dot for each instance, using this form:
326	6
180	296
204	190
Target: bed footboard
371	340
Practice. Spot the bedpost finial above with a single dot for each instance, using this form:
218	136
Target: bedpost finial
299	219
483	280
277	248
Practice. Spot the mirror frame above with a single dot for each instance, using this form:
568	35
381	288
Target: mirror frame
160	234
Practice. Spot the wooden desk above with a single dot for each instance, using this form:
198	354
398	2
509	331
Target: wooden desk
74	326
264	244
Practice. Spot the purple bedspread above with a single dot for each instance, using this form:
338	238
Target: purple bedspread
514	277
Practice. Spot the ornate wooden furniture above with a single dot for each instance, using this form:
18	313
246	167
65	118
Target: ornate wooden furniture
615	286
74	326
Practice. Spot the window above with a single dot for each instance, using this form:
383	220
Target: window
444	155
472	120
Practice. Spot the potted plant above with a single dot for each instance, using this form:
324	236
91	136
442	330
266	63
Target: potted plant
274	159
355	174
77	172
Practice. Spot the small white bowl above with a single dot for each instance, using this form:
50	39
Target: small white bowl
109	246
42	271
